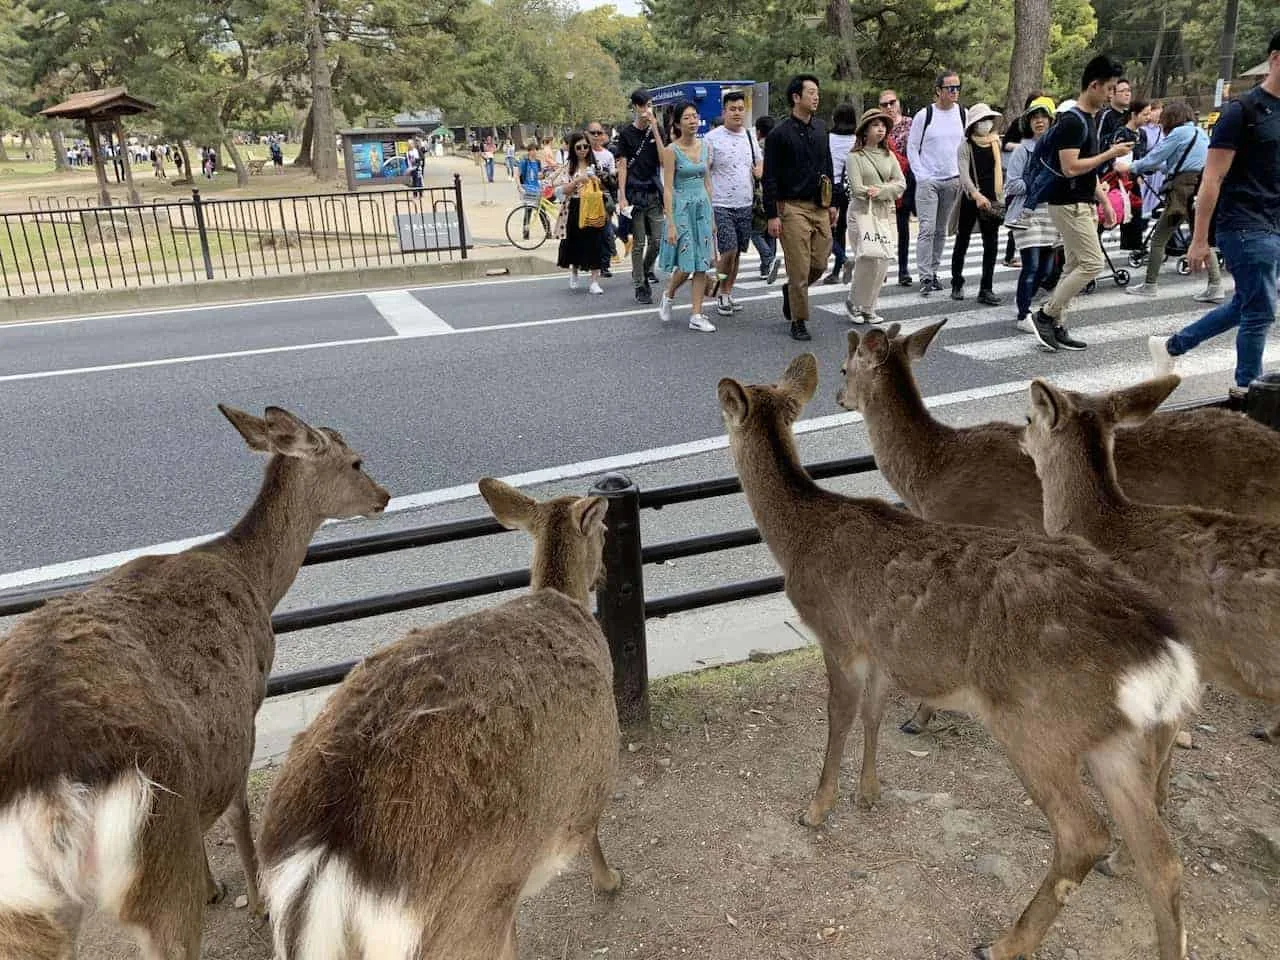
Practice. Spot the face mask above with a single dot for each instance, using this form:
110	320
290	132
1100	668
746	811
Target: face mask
983	127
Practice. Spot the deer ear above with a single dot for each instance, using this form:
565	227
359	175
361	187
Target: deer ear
892	330
800	380
1046	403
513	509
853	342
588	514
734	402
1134	404
291	437
918	342
250	427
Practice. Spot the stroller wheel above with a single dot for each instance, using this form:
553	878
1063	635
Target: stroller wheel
1093	285
1184	268
1137	258
1122	278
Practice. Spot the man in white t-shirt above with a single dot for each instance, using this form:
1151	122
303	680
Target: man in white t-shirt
734	162
607	166
936	134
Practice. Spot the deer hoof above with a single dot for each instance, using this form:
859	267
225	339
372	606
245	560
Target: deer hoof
612	885
812	818
1110	866
983	952
1265	735
912	728
216	893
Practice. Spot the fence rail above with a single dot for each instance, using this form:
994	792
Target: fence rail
63	245
622	606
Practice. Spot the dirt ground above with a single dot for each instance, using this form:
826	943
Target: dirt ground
715	866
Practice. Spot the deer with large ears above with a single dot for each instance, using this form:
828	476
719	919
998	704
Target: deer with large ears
127	712
454	771
1217	573
1205	458
1065	658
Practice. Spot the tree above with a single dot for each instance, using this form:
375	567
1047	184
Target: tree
1031	20
324	159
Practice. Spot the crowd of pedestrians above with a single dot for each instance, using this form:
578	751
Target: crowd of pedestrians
835	206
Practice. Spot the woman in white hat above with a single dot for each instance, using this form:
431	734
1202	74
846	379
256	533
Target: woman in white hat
981	203
1033	230
875	182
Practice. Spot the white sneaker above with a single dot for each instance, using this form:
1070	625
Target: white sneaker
853	312
737	307
724	306
573	279
701	323
1160	359
1209	294
1147	290
1024	324
870	316
595	288
664	309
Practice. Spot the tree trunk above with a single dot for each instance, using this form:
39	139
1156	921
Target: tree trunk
59	149
324	156
1032	20
848	73
1153	70
303	159
4	153
1227	48
242	171
188	171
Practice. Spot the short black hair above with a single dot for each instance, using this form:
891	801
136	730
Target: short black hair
640	96
733	96
845	119
678	113
765	125
943	76
1099	70
1124	80
1274	45
796	87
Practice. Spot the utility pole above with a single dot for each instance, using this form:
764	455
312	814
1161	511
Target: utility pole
1227	50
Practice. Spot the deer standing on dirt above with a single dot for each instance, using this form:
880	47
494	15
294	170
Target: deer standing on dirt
1066	659
127	712
1217	573
455	771
1204	458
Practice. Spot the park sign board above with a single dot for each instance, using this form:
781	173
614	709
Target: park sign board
435	229
377	157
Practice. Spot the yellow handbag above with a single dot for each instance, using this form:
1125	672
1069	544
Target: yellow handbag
591	211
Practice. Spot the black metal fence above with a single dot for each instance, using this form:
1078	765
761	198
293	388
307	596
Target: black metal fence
63	245
622	606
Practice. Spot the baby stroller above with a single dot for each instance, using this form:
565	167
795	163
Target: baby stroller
1117	197
1178	245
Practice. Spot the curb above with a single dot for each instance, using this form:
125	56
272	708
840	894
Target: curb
209	293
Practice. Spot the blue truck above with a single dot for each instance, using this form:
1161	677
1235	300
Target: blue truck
708	96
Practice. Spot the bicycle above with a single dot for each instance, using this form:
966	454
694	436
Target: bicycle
520	227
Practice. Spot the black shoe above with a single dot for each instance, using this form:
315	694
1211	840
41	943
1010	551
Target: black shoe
957	290
651	278
926	286
935	284
904	280
644	294
606	272
988	298
1043	328
799	331
1066	341
786	303
833	277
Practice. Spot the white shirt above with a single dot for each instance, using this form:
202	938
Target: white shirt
935	157
840	144
730	161
605	161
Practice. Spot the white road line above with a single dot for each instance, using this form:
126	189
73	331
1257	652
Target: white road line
1114	332
407	315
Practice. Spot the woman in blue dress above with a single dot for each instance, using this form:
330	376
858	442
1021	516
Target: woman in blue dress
688	250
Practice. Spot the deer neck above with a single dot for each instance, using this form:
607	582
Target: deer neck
552	572
270	541
904	435
780	494
1081	493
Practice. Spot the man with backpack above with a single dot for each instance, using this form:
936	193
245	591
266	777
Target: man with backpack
1064	175
1239	198
936	134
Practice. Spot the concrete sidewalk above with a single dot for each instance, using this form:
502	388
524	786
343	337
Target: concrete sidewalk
681	643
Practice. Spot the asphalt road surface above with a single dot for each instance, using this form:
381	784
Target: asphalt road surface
114	442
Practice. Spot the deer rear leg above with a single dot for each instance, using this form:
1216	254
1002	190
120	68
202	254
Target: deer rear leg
1119	862
1125	776
1269	732
32	936
919	721
844	694
214	890
165	905
875	690
237	817
604	878
1080	837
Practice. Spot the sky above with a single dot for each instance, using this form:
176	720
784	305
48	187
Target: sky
628	7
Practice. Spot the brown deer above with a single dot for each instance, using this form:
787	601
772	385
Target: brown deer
1064	656
455	771
1217	573
978	475
127	713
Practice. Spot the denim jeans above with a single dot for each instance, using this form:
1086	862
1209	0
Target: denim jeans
1037	264
1252	257
766	246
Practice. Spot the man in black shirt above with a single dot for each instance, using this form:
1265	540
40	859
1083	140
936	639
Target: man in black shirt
797	186
640	191
1111	117
1073	197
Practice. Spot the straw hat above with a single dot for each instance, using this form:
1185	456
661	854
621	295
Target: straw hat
874	113
977	113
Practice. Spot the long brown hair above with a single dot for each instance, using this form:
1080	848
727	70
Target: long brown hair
1175	114
574	137
860	141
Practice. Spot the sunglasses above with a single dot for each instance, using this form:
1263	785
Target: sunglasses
595	133
581	146
886	104
950	87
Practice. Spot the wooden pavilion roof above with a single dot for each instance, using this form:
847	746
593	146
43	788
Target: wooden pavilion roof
98	105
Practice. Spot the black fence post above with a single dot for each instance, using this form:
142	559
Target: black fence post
620	601
462	223
1262	402
204	235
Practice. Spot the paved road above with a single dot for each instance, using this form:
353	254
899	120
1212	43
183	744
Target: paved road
114	442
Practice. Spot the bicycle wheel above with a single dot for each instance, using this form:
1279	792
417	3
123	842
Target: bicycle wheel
528	228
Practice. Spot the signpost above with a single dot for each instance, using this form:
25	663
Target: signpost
377	157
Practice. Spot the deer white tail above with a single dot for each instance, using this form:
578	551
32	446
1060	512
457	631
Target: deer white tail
333	909
73	843
1162	690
